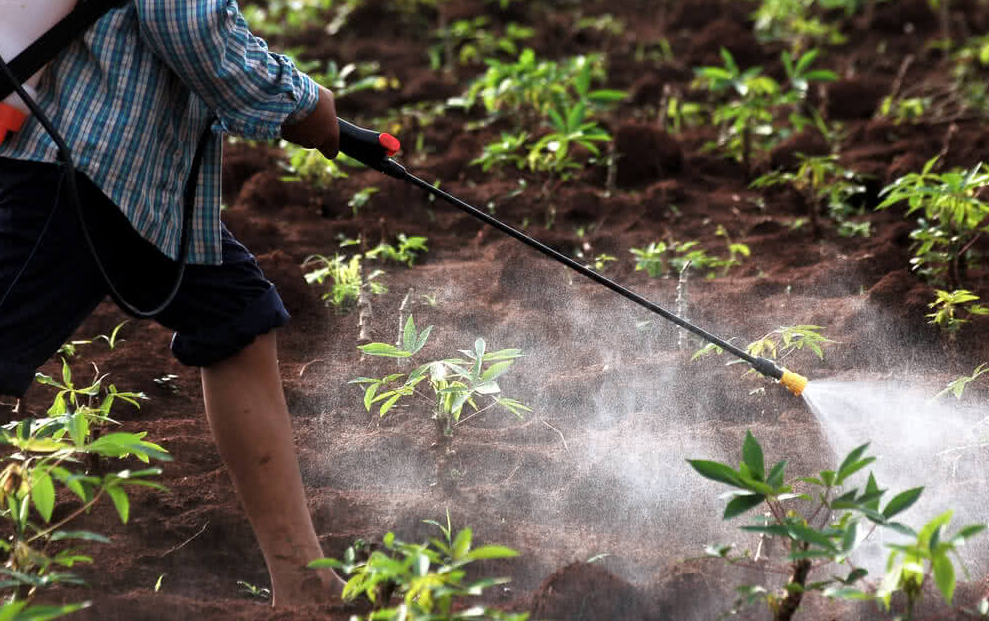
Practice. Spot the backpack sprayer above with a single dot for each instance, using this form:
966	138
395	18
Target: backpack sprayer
374	149
56	21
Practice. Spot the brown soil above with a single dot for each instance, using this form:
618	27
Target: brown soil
598	466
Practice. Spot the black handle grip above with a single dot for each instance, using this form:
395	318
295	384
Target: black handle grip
369	147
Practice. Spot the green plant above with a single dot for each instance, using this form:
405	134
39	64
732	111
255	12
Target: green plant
776	345
468	40
338	79
44	455
309	166
254	591
570	126
407	251
957	386
828	529
529	87
747	119
823	182
428	577
281	16
795	21
954	218
361	198
453	382
505	151
656	262
346	278
86	398
946	306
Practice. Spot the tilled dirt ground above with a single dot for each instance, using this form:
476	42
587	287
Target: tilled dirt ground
598	467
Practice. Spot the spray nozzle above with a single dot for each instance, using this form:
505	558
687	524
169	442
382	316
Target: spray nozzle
794	382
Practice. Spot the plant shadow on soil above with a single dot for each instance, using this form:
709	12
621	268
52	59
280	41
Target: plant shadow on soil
598	468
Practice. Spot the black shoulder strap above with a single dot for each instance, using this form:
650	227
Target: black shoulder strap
44	50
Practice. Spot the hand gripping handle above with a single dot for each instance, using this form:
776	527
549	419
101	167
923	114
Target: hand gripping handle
371	148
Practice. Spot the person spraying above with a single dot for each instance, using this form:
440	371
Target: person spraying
146	93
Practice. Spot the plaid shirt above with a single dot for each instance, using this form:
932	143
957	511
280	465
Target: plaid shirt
133	96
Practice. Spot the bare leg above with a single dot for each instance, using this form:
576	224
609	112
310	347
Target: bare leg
247	414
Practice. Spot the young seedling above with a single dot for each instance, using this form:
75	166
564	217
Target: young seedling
824	183
831	529
776	345
407	250
42	476
948	304
345	278
455	383
429	578
957	386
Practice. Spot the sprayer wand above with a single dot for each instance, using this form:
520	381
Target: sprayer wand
374	149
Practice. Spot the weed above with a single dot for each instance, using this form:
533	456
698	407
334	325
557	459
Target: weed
831	530
428	577
454	382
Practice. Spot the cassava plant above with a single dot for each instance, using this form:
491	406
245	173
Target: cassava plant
427	579
45	456
953	216
824	184
344	277
777	345
824	530
453	384
751	102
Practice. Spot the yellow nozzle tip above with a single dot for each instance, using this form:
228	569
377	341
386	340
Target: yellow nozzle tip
794	382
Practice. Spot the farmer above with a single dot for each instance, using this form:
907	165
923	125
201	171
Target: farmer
132	99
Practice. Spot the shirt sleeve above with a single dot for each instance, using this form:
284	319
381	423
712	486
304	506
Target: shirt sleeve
209	45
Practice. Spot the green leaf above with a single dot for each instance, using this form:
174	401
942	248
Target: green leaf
775	477
384	349
752	456
409	334
716	472
810	535
83	535
902	501
944	576
461	544
120	501
853	456
742	503
43	494
495	371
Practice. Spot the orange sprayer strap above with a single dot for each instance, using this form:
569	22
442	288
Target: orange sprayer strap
11	120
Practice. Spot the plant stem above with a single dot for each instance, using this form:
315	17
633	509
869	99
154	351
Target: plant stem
793	597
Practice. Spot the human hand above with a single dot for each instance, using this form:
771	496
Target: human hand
320	130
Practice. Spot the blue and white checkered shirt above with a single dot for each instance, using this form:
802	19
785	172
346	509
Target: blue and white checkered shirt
133	96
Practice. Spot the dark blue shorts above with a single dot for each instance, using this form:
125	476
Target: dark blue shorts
49	283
